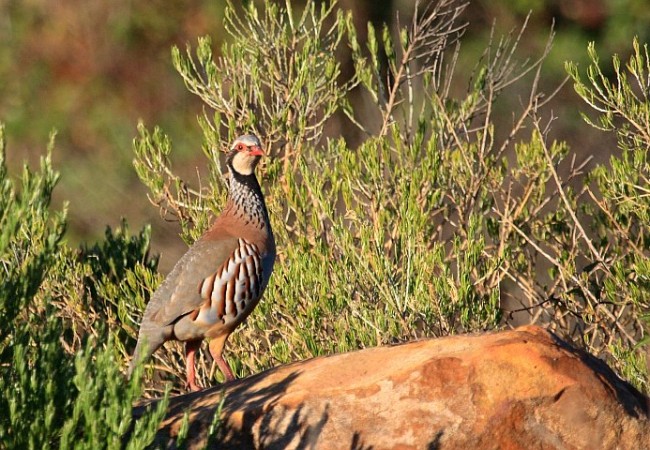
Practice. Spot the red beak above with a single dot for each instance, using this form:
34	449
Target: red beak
256	151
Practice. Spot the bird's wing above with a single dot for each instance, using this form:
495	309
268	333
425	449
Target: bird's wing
234	289
180	293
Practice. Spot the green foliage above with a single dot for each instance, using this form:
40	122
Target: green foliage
621	199
50	397
102	410
436	223
29	237
169	192
29	241
277	76
119	276
632	364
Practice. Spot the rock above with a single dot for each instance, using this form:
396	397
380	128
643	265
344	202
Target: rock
517	389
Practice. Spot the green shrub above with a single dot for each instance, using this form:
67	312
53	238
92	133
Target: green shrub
620	205
436	223
50	397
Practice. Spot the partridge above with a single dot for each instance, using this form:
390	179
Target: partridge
219	281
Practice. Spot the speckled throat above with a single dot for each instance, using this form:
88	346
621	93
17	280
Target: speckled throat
245	200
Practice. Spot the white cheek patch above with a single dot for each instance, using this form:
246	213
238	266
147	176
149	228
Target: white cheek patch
243	163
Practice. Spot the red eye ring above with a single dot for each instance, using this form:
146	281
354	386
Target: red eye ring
240	147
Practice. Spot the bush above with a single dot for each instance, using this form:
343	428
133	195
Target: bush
50	397
620	205
437	222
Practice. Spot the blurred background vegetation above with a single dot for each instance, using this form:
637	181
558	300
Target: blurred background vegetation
92	69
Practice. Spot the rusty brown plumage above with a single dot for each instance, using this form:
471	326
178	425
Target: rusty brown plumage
219	281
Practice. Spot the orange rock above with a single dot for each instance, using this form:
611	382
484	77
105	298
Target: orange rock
519	389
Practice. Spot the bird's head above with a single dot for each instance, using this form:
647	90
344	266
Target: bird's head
244	154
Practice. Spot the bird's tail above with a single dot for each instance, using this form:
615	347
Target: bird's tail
147	344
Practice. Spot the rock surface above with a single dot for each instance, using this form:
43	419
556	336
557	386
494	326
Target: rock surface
522	389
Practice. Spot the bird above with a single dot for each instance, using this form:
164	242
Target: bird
218	282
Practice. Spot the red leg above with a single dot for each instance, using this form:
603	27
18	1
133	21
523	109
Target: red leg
190	350
216	348
225	368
